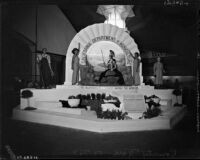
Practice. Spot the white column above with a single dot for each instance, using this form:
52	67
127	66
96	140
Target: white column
141	77
68	70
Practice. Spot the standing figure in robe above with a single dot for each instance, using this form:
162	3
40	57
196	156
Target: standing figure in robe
158	72
75	65
46	72
136	69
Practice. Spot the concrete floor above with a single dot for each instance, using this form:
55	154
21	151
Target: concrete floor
45	141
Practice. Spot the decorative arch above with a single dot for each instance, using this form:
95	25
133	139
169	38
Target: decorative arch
96	33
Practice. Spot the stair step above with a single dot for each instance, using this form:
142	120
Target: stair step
48	104
76	111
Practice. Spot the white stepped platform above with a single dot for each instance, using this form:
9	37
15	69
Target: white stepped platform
63	110
123	92
88	121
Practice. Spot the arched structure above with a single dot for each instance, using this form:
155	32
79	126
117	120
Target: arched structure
106	37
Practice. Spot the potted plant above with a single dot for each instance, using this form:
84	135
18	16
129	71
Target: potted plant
88	96
177	92
73	101
98	96
93	96
25	98
153	109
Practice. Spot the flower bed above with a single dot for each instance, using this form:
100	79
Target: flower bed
97	103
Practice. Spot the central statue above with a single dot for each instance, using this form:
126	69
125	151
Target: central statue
111	75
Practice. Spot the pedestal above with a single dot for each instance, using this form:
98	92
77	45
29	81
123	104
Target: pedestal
134	103
27	102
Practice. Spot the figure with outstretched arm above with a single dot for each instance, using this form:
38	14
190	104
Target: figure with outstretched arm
75	65
136	69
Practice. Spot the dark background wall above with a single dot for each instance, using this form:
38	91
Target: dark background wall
29	28
155	27
26	30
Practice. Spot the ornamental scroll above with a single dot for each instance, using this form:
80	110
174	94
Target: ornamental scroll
83	55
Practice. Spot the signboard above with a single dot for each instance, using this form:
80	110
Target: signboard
152	54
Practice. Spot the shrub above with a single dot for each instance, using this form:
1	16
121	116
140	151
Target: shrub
26	94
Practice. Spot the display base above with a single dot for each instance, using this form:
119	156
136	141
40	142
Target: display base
89	122
49	109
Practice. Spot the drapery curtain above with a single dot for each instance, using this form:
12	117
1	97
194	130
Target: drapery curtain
124	10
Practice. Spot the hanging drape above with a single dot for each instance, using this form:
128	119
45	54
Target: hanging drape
124	10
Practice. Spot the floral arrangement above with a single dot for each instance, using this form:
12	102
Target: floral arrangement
113	100
114	114
153	109
71	97
74	97
111	113
26	94
95	101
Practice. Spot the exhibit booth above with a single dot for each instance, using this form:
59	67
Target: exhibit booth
48	105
